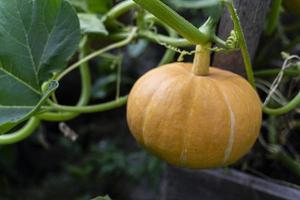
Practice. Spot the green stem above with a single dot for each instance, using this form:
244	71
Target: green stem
120	9
85	90
99	52
93	108
21	134
281	156
273	17
195	4
278	153
221	43
70	114
201	61
274	72
288	162
174	20
85	73
173	41
57	116
169	53
119	79
272	136
294	103
242	41
154	37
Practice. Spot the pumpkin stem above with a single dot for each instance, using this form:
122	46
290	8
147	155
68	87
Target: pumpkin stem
202	60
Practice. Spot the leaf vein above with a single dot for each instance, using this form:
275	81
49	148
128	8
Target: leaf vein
9	34
15	107
50	35
19	80
28	47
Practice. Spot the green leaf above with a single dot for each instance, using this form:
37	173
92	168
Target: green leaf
11	116
37	37
102	198
90	23
101	6
92	6
80	5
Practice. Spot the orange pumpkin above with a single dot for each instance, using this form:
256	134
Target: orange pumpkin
194	121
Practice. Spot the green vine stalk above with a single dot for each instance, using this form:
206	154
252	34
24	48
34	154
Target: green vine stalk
99	52
120	9
276	150
273	17
294	103
243	44
22	133
177	22
85	91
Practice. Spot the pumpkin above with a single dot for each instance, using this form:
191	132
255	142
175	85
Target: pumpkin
292	6
194	121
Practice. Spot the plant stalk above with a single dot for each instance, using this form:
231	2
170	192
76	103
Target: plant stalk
294	103
202	55
22	133
274	72
242	42
202	60
93	108
85	90
174	20
120	9
273	17
99	52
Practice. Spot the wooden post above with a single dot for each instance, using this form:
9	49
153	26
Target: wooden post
179	184
223	184
252	14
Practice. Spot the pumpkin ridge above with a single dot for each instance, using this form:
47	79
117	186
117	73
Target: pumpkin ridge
184	85
232	131
149	102
237	86
137	88
183	154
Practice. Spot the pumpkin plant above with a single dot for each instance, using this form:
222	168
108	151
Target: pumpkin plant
191	115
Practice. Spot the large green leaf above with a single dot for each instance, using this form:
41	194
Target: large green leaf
37	37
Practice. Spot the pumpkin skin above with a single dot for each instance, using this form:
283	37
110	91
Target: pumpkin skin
194	121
